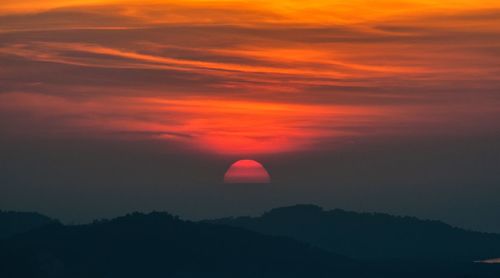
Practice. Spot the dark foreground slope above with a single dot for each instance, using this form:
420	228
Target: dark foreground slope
159	245
372	236
12	223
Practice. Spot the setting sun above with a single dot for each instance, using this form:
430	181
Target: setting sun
247	171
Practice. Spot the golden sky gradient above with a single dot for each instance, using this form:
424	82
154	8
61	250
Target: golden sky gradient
249	77
314	12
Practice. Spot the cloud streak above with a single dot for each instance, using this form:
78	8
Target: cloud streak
202	72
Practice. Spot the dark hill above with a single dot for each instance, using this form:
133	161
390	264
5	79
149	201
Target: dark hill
372	235
12	223
160	245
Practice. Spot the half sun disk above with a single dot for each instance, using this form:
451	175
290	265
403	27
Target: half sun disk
247	171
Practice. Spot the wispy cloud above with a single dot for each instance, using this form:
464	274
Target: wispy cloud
283	75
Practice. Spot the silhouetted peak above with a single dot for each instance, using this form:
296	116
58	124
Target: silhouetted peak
371	235
12	223
161	245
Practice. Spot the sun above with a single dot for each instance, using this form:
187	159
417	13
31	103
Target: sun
247	171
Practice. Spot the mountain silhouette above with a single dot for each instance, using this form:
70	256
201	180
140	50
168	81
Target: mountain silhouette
372	235
160	245
12	223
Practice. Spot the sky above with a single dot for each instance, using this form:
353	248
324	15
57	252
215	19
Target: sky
107	107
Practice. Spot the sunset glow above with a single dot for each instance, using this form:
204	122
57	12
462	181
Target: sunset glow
247	171
269	138
240	77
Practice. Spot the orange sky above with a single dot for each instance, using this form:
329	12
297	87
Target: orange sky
316	12
249	77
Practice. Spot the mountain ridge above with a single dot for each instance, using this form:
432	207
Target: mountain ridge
372	235
159	244
13	222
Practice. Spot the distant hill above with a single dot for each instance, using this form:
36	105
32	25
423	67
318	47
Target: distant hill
372	236
160	245
12	223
